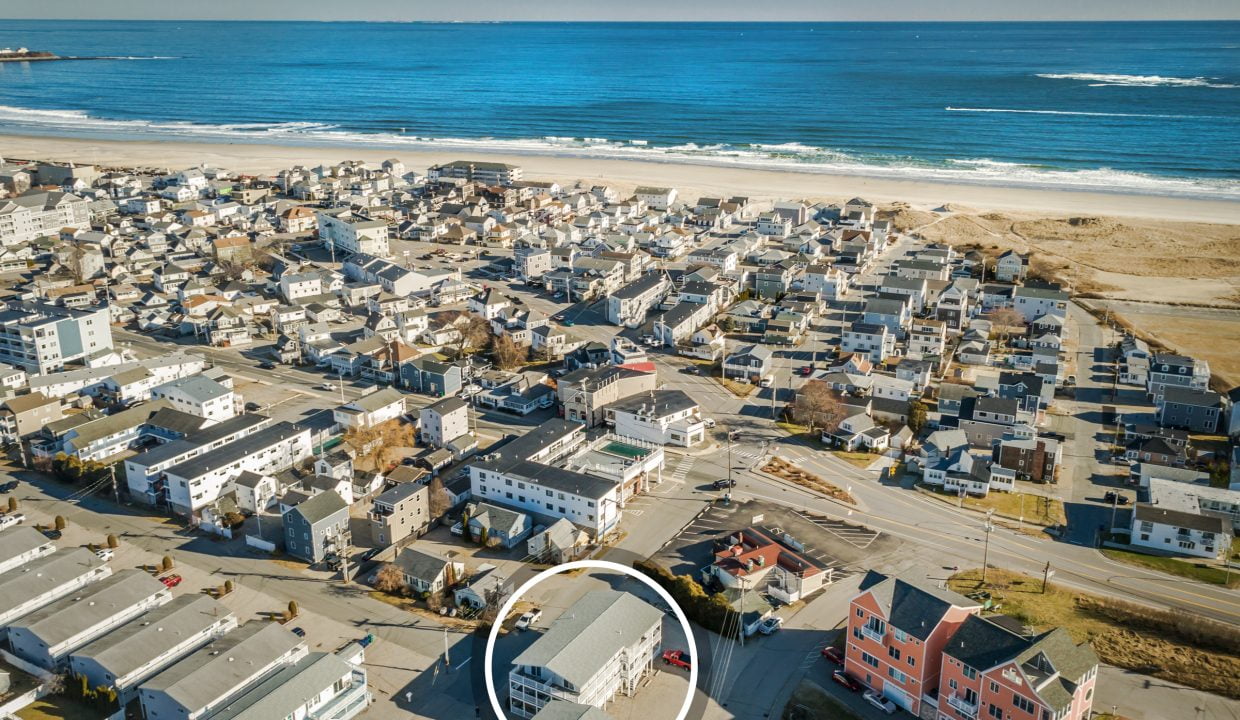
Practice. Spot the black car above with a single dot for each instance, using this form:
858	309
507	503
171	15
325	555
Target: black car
724	483
267	365
299	632
8	487
1116	498
51	534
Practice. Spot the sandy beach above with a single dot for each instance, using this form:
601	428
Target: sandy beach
691	180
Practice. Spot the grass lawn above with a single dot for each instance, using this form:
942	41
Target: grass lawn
856	459
1172	646
739	389
1175	566
1036	509
60	707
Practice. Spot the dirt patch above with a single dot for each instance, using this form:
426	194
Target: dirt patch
785	470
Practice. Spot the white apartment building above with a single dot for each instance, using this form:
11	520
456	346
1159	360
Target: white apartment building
628	305
38	582
662	417
41	338
874	341
294	286
126	657
320	686
590	502
200	396
601	646
207	680
144	473
21	544
828	281
26	217
927	337
443	422
370	410
46	636
199	481
348	233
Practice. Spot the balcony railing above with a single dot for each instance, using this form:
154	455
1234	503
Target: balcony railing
964	707
873	634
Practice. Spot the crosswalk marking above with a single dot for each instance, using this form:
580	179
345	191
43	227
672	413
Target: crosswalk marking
682	469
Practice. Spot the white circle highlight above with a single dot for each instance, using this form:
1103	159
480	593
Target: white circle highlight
590	565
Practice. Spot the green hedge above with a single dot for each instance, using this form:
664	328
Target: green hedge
711	611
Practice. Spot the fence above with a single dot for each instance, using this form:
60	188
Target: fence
259	543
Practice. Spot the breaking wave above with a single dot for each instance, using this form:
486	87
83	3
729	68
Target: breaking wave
1105	80
792	156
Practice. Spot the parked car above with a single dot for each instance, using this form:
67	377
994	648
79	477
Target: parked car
370	553
833	654
723	484
771	625
105	554
8	487
51	534
8	521
1116	498
329	387
366	641
710	423
807	370
267	365
253	406
767	381
679	658
298	632
846	680
171	580
529	618
879	702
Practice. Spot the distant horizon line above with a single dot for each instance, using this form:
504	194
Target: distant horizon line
628	22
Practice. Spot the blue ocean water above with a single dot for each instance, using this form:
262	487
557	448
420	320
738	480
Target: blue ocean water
1127	107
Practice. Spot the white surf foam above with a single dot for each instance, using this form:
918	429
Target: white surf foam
792	156
1065	112
1105	80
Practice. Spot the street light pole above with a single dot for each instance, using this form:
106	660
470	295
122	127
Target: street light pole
986	547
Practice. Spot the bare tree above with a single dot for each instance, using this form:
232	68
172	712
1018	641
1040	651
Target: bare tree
507	353
440	500
818	407
1004	322
472	332
389	579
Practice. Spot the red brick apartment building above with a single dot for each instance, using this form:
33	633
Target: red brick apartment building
896	634
930	652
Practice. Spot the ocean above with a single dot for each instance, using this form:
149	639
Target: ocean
1142	107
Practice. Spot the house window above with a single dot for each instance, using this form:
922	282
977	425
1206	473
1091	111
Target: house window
869	659
994	711
994	686
1022	703
969	672
893	651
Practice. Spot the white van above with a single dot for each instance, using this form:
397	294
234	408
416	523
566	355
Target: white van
767	381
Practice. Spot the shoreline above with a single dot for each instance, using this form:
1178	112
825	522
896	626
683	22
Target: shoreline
692	180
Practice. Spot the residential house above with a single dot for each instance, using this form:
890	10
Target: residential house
661	417
316	527
755	560
1200	411
370	410
400	512
426	573
748	362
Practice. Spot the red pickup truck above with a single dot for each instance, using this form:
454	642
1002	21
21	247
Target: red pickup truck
171	580
679	658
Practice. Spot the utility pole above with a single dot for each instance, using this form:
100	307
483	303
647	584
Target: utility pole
116	493
989	527
1020	520
447	660
1114	510
1046	575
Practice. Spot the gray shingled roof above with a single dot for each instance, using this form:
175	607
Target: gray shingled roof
589	633
138	641
914	608
282	694
90	606
320	506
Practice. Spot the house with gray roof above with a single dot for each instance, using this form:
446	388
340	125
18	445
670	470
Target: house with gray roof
559	709
21	544
46	636
601	646
127	656
498	525
424	572
320	685
212	676
314	527
38	582
400	512
994	663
